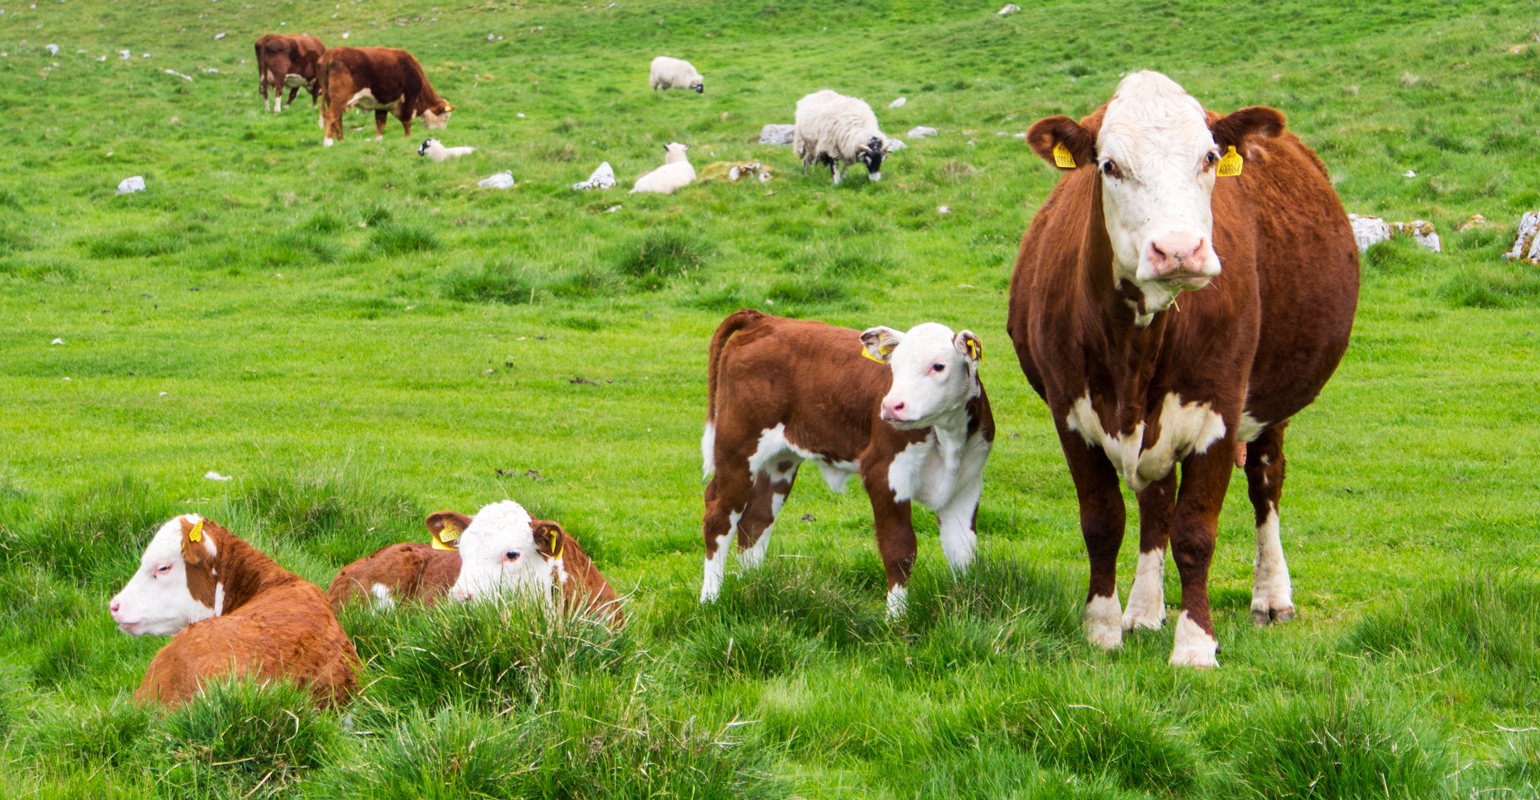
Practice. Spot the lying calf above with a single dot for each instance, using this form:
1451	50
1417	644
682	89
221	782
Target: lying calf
230	610
406	571
905	411
503	549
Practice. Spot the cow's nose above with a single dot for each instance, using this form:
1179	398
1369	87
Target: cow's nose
1176	253
891	409
460	594
114	607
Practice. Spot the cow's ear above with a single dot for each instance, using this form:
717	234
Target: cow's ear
1062	142
550	539
196	545
878	343
446	527
969	345
1232	130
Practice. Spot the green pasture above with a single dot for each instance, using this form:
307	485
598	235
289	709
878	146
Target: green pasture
358	337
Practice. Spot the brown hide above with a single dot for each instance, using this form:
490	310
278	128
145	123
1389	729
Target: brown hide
764	371
272	625
279	56
391	75
1263	337
583	588
410	570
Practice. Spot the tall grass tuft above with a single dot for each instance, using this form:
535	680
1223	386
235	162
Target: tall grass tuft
493	282
656	258
392	239
338	507
1483	622
95	532
133	244
1493	287
729	648
89	735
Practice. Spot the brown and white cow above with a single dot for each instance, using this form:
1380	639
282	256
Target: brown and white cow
905	411
1151	207
288	62
406	571
379	79
505	550
230	611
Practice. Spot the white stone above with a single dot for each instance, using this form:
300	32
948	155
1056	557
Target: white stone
1409	174
52	49
1526	247
1368	231
1010	8
899	103
777	134
502	180
895	145
602	178
1421	232
218	36
57	341
921	131
214	476
178	74
131	185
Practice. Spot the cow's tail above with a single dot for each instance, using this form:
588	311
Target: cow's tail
747	318
261	72
323	68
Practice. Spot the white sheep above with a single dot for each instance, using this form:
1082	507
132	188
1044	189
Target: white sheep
838	131
676	172
675	73
434	149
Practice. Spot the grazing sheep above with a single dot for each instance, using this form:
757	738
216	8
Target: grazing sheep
434	149
675	174
838	131
674	73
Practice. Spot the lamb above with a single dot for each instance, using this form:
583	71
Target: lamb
838	131
675	174
406	571
434	149
230	610
674	73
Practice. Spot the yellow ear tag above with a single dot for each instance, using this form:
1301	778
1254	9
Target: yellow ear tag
975	350
1230	164
1062	158
196	534
885	351
560	543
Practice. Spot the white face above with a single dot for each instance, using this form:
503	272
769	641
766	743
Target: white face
675	153
935	372
435	122
156	600
1156	157
498	555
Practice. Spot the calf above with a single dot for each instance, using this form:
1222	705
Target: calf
503	550
406	571
288	62
1161	197
230	610
379	79
905	411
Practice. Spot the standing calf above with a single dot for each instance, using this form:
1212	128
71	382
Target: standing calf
230	611
288	62
905	411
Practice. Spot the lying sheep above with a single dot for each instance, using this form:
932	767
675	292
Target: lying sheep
675	174
434	149
838	131
675	73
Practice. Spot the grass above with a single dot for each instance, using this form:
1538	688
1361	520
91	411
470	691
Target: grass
359	336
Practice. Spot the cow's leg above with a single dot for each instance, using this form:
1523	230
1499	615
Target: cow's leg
262	87
406	125
1205	477
727	498
896	544
1272	597
331	118
1101	525
770	490
958	521
380	118
1147	600
292	92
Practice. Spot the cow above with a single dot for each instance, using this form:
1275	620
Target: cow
505	550
409	571
230	611
905	411
1186	289
288	62
379	79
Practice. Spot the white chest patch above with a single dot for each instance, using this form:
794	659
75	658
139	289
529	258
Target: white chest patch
364	100
773	446
1184	429
293	81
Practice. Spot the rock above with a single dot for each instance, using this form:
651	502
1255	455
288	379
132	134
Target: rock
921	131
943	209
895	145
214	476
131	185
899	103
1473	221
57	341
178	74
52	49
1409	174
1009	8
125	55
218	36
1369	231
1422	232
777	134
502	180
1527	246
602	178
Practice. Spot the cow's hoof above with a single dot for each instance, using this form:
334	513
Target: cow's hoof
1104	623
327	141
1262	617
1145	619
1194	646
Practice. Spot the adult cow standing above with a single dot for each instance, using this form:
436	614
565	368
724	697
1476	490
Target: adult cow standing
1151	206
288	62
379	79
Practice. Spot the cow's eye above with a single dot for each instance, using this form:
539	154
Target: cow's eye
937	367
1211	159
512	555
163	568
1110	169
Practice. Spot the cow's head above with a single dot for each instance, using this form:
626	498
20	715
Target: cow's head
1156	151
176	584
436	117
674	152
871	154
503	550
935	372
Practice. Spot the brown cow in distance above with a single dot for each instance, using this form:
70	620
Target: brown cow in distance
379	79
230	611
406	571
1161	198
288	62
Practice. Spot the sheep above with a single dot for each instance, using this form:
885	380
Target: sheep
676	172
838	131
674	73
434	149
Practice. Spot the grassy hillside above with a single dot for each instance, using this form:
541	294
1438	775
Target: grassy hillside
359	337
